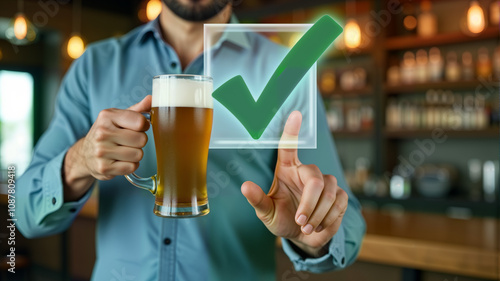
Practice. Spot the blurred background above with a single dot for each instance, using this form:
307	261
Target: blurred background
412	98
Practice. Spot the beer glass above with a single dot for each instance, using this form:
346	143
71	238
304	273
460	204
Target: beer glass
181	118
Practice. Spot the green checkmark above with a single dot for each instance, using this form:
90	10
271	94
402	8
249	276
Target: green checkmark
255	116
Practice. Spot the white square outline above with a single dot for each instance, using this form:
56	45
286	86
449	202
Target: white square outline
307	142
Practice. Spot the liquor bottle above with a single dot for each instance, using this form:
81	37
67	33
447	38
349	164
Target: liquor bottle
452	67
484	67
427	22
467	66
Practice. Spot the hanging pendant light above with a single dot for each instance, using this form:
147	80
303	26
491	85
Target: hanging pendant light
352	34
76	45
20	30
153	9
352	31
475	18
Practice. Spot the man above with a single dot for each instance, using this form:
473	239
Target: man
320	223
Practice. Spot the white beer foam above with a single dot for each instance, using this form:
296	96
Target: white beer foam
183	93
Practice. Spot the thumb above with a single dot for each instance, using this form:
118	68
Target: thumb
142	106
262	204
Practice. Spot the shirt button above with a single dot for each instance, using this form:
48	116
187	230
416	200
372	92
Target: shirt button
343	261
53	201
173	65
167	241
72	210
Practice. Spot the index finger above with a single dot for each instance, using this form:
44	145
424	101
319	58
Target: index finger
287	148
128	119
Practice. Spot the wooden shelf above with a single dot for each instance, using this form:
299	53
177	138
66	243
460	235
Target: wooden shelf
347	134
346	54
413	41
444	85
362	92
427	133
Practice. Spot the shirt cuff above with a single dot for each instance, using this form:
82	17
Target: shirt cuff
334	259
53	206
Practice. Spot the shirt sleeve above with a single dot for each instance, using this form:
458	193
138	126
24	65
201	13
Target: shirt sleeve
345	244
41	209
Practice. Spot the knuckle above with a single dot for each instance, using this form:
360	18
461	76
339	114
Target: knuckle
105	113
329	220
101	167
314	168
339	207
342	194
100	134
331	179
316	183
100	151
329	195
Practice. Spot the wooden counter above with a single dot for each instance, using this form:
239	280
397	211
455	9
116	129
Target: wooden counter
429	242
433	242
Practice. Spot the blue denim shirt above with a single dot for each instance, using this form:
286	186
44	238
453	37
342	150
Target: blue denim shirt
230	243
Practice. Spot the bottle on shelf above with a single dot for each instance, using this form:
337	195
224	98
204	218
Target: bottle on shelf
327	82
484	68
422	61
469	116
495	13
393	75
435	64
427	21
393	115
467	66
474	171
366	117
408	68
353	117
452	72
409	19
431	115
400	187
458	112
335	116
447	110
490	180
347	81
482	114
359	75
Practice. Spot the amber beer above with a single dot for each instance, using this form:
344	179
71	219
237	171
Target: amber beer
181	135
181	118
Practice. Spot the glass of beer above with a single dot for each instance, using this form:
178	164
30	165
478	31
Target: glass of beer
181	117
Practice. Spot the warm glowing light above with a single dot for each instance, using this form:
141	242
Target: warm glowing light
1	54
410	22
475	17
352	34
153	9
76	47
20	27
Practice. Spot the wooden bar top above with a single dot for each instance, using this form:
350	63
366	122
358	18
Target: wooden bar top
433	242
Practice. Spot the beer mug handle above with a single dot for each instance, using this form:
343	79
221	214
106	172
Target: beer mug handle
144	183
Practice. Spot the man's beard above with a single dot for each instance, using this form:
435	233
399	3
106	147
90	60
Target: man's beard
195	11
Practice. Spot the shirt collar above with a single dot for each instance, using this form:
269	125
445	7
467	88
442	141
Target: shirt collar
237	38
